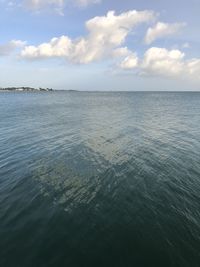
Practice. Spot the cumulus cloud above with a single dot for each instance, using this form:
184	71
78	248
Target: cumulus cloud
121	52
106	38
163	62
105	35
8	48
161	30
130	62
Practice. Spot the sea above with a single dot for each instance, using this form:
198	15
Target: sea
106	179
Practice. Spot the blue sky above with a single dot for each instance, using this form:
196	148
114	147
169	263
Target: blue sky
100	44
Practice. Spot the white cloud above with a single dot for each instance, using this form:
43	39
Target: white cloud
121	52
130	62
8	48
161	30
106	34
165	63
57	47
162	61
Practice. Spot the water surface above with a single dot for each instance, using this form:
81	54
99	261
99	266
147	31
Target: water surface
100	179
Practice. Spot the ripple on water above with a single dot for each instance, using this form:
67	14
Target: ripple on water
100	179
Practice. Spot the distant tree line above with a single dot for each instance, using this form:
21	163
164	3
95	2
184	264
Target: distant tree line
25	88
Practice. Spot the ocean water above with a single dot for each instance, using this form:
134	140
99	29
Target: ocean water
100	179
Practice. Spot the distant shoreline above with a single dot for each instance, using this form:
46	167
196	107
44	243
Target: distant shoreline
31	89
25	89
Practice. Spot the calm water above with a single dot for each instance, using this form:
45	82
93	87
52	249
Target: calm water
100	179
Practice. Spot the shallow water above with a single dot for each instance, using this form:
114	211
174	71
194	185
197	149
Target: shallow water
100	179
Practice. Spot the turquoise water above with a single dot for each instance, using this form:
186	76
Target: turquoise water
100	179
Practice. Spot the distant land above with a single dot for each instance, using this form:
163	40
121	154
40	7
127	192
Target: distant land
25	89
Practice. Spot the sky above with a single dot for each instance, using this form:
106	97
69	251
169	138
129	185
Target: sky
108	45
